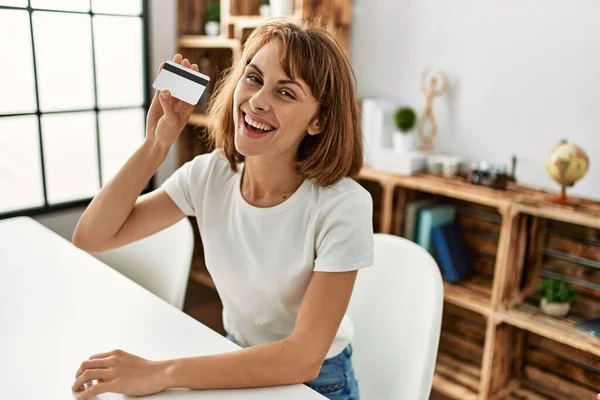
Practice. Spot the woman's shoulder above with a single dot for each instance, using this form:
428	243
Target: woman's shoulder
213	163
346	194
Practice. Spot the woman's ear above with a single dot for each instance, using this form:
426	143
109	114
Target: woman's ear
314	128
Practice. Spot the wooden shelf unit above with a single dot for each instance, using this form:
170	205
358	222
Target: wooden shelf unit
207	42
198	120
518	237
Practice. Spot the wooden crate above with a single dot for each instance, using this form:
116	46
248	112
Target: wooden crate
529	366
517	237
460	355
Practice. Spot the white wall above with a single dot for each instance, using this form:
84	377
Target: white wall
162	36
523	73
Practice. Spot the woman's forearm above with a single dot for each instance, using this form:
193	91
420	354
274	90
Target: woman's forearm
280	363
111	207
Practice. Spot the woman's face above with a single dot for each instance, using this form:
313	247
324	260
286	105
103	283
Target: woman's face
272	112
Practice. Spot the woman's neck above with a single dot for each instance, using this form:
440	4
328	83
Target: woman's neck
268	182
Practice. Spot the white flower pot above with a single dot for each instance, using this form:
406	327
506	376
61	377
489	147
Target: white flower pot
212	28
404	142
554	309
281	8
264	10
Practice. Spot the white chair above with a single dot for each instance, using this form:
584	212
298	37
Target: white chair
396	308
160	262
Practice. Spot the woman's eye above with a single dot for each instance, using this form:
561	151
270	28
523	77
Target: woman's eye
286	93
254	78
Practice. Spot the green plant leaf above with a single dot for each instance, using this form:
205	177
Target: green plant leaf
405	119
557	291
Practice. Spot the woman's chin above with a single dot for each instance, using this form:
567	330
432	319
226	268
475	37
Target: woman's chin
246	146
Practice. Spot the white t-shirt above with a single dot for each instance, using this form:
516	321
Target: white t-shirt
261	259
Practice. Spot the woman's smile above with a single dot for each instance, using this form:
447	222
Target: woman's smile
254	127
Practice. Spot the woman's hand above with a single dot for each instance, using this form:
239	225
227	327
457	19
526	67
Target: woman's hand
119	372
167	115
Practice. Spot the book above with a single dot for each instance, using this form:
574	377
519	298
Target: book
430	217
451	252
591	326
409	230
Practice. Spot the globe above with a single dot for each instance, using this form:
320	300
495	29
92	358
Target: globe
567	163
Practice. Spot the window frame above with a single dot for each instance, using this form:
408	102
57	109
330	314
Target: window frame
49	208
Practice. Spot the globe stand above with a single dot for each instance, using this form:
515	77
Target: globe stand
562	199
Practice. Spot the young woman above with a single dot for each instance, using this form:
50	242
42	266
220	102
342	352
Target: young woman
284	227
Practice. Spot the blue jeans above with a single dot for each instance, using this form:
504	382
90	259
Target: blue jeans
336	379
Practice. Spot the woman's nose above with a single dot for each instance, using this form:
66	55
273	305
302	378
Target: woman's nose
260	101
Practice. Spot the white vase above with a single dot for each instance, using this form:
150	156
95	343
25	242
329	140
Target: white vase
404	142
264	10
212	28
554	309
281	8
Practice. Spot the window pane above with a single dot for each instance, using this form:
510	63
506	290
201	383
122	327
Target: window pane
118	45
20	168
64	60
13	3
130	7
70	156
16	68
69	5
121	133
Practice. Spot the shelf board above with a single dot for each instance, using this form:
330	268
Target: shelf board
202	277
246	21
456	378
450	187
521	392
564	331
588	214
198	119
253	21
473	294
207	42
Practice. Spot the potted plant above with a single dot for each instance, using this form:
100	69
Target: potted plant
264	10
213	18
556	298
404	138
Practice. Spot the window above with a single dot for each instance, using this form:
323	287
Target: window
73	98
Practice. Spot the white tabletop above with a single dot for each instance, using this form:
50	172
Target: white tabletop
59	305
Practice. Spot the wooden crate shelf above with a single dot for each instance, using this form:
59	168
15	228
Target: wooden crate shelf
198	119
460	355
522	391
473	294
207	42
456	378
453	188
541	368
517	238
561	330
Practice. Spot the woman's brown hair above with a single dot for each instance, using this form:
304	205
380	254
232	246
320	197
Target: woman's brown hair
314	55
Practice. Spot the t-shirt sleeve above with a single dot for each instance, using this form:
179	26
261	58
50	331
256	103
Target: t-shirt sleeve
345	238
185	184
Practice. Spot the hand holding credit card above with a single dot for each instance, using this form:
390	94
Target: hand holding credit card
184	83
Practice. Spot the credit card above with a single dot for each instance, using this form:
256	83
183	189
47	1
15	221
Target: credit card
184	83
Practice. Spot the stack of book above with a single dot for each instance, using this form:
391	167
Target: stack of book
435	228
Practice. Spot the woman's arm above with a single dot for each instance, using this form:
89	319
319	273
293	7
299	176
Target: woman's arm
296	359
116	216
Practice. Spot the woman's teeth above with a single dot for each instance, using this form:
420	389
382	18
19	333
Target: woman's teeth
256	124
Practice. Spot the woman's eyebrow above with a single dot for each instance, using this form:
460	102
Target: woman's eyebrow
282	82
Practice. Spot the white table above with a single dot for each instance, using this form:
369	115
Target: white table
59	305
